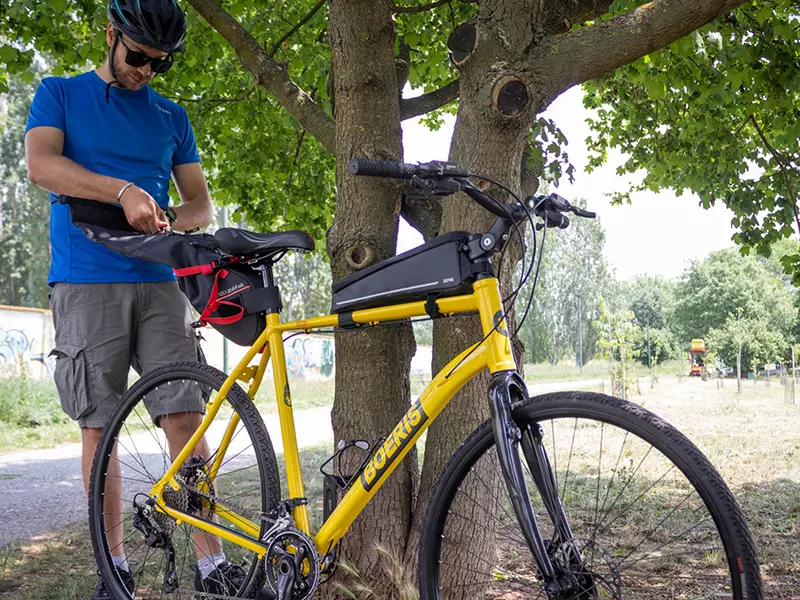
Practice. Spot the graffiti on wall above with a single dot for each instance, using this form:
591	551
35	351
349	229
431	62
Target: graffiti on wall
25	340
310	357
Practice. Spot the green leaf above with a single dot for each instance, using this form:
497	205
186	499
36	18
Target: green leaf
8	54
656	88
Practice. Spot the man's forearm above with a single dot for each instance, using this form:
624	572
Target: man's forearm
60	175
194	214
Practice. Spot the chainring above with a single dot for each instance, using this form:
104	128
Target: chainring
293	542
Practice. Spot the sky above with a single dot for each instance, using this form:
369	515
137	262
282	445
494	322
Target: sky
657	234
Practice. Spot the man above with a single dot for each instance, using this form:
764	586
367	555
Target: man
107	136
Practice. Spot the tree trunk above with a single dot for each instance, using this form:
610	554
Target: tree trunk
371	396
487	141
739	370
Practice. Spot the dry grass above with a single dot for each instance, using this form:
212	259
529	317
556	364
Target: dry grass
753	439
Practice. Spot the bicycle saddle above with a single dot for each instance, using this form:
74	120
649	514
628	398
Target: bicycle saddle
241	242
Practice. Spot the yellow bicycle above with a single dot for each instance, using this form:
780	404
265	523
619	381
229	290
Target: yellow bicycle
572	495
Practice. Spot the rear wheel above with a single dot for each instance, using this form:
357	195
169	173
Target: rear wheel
134	453
650	516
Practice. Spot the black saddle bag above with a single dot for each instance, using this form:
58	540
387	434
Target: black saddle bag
229	296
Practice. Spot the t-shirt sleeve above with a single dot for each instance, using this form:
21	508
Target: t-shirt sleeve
186	152
47	108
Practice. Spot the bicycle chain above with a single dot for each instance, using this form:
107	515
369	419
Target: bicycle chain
196	595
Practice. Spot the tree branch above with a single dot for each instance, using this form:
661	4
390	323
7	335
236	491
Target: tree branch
782	165
420	8
218	100
295	29
561	15
587	53
420	105
268	74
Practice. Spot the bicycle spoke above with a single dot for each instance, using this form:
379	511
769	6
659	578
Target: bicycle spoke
143	456
639	526
569	460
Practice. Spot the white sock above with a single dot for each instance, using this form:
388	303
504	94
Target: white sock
121	562
207	564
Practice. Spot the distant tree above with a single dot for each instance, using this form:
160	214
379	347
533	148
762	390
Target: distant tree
305	284
652	301
713	289
24	207
655	345
651	298
617	333
573	274
758	342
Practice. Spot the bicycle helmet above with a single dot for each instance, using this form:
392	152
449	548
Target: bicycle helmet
156	23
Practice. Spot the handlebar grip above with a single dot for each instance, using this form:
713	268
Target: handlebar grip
584	213
381	168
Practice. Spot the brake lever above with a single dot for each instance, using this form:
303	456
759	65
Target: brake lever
554	220
422	186
579	212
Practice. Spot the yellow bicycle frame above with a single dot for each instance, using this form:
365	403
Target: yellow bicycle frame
494	353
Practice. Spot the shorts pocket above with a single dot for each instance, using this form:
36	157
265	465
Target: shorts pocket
72	376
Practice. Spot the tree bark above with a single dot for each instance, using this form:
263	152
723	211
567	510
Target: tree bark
371	396
483	141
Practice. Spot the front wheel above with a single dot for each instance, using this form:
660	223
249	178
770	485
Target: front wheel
649	515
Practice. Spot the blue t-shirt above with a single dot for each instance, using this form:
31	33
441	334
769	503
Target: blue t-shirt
137	136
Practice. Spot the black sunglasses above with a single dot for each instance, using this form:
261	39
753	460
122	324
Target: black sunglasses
140	59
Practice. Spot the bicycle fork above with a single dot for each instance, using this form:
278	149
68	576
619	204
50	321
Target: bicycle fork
506	386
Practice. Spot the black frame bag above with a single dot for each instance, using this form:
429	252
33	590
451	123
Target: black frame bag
230	296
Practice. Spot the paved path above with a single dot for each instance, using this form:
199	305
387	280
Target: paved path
43	490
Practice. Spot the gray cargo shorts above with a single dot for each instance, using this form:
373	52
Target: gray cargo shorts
104	329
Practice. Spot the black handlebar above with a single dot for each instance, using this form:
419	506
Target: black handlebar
446	178
396	170
583	213
381	168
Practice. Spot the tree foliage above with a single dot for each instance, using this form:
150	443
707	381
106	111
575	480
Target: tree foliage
715	113
760	342
573	273
24	208
714	289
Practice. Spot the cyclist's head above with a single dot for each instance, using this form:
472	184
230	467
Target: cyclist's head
139	31
158	24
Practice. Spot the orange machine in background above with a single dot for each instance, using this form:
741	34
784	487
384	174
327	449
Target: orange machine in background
696	352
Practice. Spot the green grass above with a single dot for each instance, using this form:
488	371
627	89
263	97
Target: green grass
567	370
31	415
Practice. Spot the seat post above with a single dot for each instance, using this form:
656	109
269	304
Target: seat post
269	283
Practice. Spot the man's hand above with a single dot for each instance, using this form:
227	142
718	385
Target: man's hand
142	211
